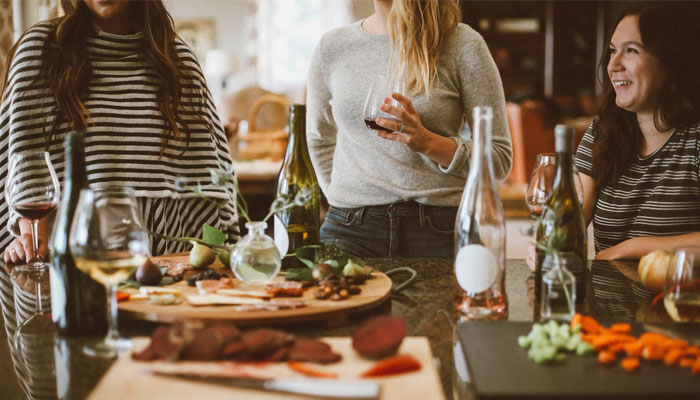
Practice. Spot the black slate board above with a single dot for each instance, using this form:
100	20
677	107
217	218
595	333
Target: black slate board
500	369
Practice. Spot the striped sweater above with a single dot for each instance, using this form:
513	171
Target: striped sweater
124	142
657	195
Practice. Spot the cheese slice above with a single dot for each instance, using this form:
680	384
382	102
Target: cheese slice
214	299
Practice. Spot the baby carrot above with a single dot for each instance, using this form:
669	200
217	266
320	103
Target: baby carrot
606	357
673	356
393	365
621	328
309	371
630	364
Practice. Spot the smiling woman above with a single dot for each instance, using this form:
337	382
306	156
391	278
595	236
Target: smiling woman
639	161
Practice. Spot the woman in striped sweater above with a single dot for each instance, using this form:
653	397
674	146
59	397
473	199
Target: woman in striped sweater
640	160
117	71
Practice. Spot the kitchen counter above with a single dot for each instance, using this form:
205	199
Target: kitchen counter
426	305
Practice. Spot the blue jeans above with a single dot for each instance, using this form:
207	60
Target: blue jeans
401	229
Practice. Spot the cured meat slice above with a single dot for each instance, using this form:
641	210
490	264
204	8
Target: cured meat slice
312	350
166	344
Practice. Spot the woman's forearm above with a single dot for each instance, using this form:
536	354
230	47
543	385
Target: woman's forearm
636	248
441	149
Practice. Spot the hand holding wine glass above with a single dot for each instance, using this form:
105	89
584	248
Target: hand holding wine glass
108	243
32	191
381	89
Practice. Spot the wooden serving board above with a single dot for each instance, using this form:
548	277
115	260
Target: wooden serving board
129	379
374	292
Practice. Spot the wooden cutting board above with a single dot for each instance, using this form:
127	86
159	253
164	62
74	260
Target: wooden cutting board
133	380
500	369
374	292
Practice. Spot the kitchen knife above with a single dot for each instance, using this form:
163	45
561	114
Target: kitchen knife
686	331
330	389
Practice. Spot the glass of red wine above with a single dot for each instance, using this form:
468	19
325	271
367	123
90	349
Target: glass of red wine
32	191
379	93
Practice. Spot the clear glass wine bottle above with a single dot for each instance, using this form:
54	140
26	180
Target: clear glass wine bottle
480	235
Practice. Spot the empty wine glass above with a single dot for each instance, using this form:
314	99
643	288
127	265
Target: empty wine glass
381	89
32	191
108	242
541	182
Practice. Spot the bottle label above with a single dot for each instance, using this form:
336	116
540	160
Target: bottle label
476	268
58	292
281	236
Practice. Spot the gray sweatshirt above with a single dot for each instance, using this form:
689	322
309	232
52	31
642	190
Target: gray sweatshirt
355	167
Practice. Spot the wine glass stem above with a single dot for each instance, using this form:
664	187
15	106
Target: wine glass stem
112	308
35	239
37	282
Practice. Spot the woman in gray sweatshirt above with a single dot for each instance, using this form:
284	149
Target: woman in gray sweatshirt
396	193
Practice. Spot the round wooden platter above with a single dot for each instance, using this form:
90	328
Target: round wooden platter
374	292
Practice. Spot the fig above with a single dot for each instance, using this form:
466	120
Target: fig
201	256
148	273
354	270
322	271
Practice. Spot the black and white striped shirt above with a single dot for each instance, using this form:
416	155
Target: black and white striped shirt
658	195
123	144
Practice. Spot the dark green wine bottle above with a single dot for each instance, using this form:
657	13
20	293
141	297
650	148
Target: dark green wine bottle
297	226
562	226
77	301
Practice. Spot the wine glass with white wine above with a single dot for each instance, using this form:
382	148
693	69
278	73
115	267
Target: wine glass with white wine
108	243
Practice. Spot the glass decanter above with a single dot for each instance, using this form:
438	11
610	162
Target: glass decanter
255	257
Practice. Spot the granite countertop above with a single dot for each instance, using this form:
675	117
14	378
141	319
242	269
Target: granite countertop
426	305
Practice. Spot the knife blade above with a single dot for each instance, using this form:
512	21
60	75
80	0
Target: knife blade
687	331
330	389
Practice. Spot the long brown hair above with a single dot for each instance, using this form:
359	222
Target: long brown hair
419	30
67	68
670	33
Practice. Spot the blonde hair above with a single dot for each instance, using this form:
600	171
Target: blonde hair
419	30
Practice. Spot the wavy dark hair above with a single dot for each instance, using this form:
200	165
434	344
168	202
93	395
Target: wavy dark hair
670	32
66	65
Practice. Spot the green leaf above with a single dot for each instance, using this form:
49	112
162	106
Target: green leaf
298	274
307	255
213	235
357	260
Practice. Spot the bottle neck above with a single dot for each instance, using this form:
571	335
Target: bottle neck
256	227
74	174
297	136
564	177
481	164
